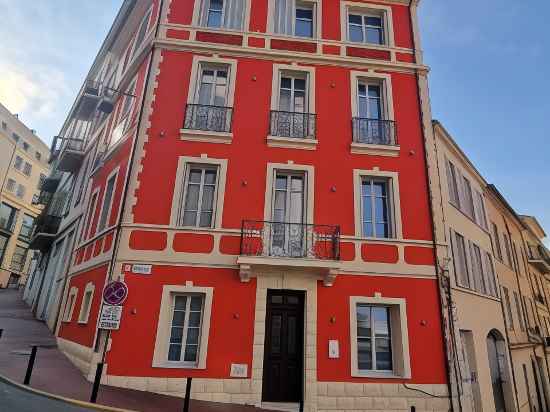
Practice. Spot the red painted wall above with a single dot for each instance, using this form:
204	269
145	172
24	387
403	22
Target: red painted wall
84	333
425	342
231	326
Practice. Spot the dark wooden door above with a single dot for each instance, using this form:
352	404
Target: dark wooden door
284	346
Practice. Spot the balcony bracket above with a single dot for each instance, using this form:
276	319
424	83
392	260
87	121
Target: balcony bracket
330	277
245	272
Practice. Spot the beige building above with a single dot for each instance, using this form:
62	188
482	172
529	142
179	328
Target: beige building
23	163
476	334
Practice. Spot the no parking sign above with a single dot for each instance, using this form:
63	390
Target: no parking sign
114	294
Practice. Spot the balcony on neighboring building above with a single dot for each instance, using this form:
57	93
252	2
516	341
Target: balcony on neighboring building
50	183
47	223
291	245
539	257
88	101
69	153
205	118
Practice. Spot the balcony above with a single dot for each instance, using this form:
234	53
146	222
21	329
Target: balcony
205	118
292	130
539	257
88	101
50	183
69	153
295	245
374	136
43	198
45	230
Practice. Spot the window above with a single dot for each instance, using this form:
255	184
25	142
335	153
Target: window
4	126
366	28
452	184
508	308
496	240
20	193
41	180
8	217
223	14
141	32
369	100
69	304
18	163
507	249
107	203
373	338
183	327
27	169
212	90
295	18
38	156
26	227
87	228
125	115
379	337
293	93
199	196
15	137
468	200
481	218
491	281
460	262
375	208
26	146
18	259
86	305
477	269
10	185
519	311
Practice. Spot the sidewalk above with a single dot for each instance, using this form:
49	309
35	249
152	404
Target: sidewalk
54	373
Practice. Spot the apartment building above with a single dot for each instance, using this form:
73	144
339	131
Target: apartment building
23	166
255	172
477	341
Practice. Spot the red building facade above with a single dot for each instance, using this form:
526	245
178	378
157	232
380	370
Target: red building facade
262	190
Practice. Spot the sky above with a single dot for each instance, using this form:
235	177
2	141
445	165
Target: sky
489	79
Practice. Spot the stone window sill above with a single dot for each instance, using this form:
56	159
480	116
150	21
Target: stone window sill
292	142
206	136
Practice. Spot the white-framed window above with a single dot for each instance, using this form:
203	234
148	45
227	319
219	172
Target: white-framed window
468	198
496	241
10	185
379	337
213	85
70	304
477	269
489	272
460	261
87	228
105	215
479	208
377	204
508	305
27	169
86	304
20	193
295	18
367	24
519	310
222	14
18	163
183	328
142	31
125	114
200	188
452	183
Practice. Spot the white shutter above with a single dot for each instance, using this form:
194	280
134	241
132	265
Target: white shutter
284	11
234	14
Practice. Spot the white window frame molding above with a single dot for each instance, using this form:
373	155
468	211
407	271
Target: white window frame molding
309	171
317	20
194	84
68	313
177	202
84	313
394	202
399	336
89	218
196	19
160	355
114	173
365	9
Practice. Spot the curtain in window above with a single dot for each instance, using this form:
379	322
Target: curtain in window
284	10
233	14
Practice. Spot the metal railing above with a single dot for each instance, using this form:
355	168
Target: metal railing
290	240
292	124
60	143
208	118
374	131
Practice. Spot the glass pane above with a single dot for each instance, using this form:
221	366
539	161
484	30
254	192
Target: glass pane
286	83
189	218
195	175
205	92
381	321
373	21
221	76
284	100
192	336
366	188
178	319
382	230
304	28
355	33
214	19
355	19
379	188
374	36
280	198
299	102
362	90
192	198
207	198
180	302
297	184
374	91
375	111
296	203
363	321
367	209
363	109
174	353
300	84
190	353
381	214
304	14
176	335
216	4
364	350
383	354
219	98
367	229
210	177
205	219
280	183
195	319
196	303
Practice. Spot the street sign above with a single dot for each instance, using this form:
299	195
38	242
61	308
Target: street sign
115	293
142	269
110	317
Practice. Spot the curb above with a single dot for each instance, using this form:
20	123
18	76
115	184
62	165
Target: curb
62	398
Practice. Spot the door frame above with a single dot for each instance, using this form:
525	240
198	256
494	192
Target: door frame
302	294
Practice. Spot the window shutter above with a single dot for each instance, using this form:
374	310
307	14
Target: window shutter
284	10
234	14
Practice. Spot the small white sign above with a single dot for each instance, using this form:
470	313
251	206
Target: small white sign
142	269
110	317
239	370
333	349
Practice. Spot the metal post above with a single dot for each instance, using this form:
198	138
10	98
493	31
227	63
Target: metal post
97	381
187	395
30	366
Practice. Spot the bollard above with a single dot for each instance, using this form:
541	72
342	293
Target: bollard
30	366
97	381
187	395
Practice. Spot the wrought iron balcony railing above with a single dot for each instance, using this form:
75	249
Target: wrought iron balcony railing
208	118
290	240
374	131
293	124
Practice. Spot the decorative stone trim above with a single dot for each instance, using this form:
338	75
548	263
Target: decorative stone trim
375	149
292	143
206	136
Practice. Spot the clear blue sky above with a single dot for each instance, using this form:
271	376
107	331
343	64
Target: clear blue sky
489	84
